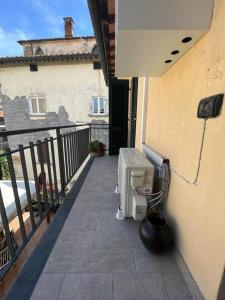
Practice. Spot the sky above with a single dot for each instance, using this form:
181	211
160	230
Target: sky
33	19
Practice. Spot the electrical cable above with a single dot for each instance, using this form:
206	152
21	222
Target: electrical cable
194	182
138	190
156	203
156	198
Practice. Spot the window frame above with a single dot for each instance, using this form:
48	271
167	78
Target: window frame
99	98
38	106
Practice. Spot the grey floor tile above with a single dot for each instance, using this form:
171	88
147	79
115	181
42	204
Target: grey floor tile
69	260
92	187
123	260
90	286
83	223
101	261
90	196
48	286
119	260
167	264
104	225
97	199
176	287
126	235
139	286
105	222
145	261
150	262
93	239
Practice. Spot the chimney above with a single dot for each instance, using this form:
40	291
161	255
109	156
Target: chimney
68	27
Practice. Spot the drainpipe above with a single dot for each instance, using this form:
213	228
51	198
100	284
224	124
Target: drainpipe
144	110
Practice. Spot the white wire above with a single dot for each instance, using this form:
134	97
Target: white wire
194	182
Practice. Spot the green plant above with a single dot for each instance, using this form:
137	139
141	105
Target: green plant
96	147
4	169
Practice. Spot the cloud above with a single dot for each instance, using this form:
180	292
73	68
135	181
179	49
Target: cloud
8	41
49	15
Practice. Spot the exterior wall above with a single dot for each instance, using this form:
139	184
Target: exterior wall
55	47
64	85
172	128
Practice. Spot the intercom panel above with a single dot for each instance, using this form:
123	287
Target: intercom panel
210	107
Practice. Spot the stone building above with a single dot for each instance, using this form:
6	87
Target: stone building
57	81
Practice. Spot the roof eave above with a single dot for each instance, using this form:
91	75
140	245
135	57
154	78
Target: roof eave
22	42
96	21
47	58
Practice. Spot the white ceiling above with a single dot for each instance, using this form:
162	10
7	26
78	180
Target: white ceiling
147	31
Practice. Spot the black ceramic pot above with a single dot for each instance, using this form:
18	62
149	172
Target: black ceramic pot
155	233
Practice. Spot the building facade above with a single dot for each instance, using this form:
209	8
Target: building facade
56	82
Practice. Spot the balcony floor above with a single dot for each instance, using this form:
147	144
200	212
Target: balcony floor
99	257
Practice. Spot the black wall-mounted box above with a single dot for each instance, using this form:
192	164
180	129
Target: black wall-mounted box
210	107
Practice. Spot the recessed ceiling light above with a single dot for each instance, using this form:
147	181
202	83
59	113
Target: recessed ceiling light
174	52
168	61
187	39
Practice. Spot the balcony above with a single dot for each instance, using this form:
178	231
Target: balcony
86	253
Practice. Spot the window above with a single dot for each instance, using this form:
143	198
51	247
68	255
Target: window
97	65
37	106
33	68
39	51
98	106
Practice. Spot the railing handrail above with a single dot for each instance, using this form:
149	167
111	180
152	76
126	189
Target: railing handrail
31	130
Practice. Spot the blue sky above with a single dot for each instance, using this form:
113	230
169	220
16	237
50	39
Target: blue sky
31	19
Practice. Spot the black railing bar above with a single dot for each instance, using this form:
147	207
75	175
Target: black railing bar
37	188
49	173
6	269
61	160
16	196
65	158
6	226
44	191
54	167
27	186
73	153
24	131
69	155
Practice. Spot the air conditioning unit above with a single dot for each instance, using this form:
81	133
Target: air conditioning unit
134	172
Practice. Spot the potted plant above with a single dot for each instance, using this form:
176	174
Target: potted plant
97	148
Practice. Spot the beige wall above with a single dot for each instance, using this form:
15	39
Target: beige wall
68	85
173	129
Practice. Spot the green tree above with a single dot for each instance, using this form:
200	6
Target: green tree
4	169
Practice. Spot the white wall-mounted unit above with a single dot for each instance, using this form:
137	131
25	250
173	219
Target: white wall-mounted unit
134	170
152	35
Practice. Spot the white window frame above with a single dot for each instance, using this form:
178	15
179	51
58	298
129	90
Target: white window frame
99	111
31	108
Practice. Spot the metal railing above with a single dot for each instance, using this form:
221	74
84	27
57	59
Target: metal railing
100	132
48	165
